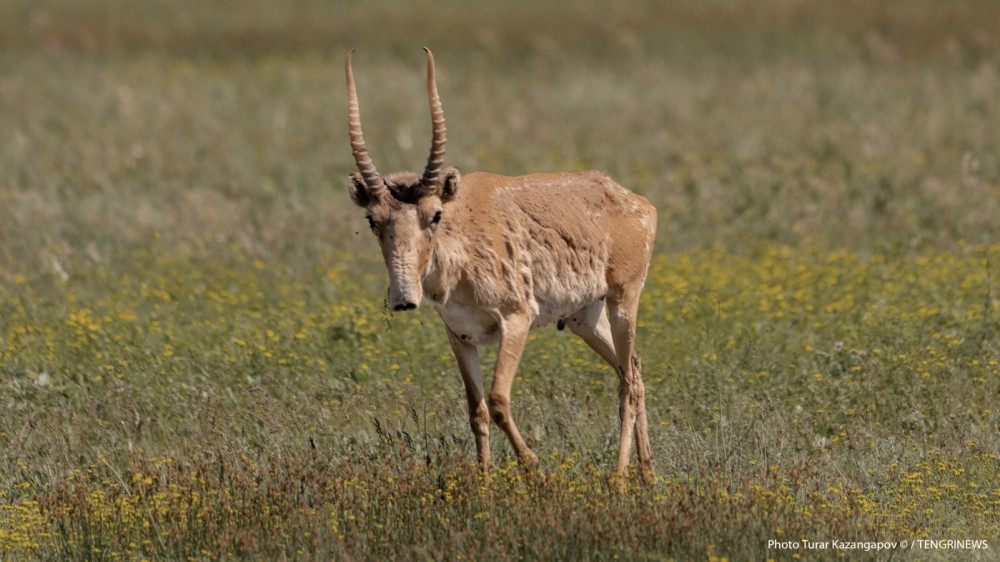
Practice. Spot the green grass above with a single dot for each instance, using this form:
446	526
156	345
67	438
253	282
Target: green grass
195	361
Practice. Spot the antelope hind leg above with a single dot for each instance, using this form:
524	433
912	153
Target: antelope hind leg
622	314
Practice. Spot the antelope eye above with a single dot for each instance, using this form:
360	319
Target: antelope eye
437	218
371	222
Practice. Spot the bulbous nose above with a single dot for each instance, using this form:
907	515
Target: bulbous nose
405	306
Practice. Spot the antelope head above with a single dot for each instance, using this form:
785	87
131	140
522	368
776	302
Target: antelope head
404	210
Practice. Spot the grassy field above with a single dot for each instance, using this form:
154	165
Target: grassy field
195	359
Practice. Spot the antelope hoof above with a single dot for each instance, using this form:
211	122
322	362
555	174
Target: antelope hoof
618	483
647	473
529	461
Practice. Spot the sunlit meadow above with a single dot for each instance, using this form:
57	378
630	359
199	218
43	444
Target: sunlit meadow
195	357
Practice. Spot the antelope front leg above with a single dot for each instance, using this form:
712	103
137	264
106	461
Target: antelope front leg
513	335
472	376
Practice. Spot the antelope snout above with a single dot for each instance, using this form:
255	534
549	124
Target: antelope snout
404	298
405	290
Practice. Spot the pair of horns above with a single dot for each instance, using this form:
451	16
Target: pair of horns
364	162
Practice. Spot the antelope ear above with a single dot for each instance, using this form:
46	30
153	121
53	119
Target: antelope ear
450	178
358	190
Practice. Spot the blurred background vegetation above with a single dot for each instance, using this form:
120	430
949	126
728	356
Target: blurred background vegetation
854	124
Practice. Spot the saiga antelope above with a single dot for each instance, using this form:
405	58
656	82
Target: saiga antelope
498	256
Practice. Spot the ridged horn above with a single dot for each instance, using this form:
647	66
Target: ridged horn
436	158
364	162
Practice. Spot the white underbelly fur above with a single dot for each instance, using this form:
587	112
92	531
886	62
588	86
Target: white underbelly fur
480	327
471	325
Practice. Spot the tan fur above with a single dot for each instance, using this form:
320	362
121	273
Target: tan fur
510	254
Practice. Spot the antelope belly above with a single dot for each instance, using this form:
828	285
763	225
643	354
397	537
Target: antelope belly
471	325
